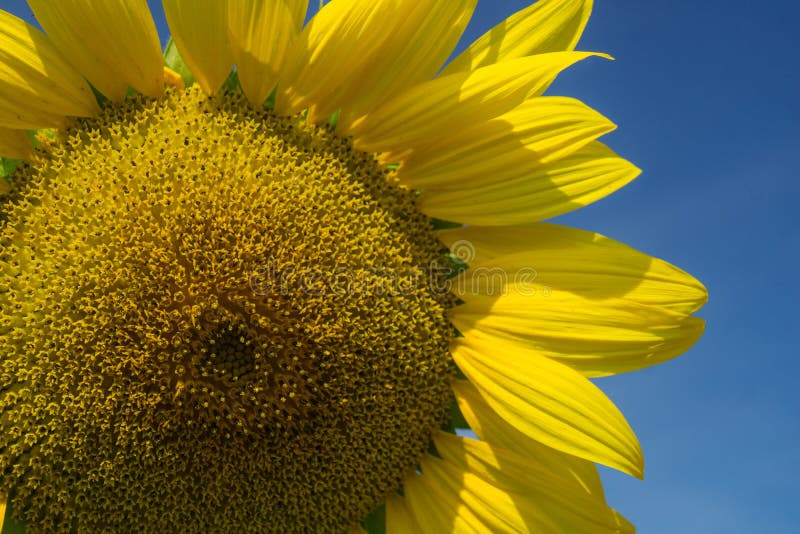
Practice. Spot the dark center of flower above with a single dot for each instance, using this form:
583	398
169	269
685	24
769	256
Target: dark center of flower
213	320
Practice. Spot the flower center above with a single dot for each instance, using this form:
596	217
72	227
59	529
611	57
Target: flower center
213	319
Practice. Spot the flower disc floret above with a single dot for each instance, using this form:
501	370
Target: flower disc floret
213	319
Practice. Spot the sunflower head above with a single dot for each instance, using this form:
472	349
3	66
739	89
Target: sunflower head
227	303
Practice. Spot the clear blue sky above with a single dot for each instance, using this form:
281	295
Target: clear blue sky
706	96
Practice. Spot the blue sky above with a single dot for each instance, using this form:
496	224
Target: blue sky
707	105
705	94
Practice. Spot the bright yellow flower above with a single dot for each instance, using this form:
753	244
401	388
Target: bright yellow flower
227	307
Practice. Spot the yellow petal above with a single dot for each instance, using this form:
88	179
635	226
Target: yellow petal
15	144
262	34
114	44
548	401
489	507
536	492
200	31
418	47
526	191
595	337
513	145
3	499
331	49
436	509
349	56
588	301
582	263
490	427
38	88
431	111
398	518
298	9
546	26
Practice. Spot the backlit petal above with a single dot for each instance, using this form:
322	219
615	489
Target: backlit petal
331	49
418	47
513	145
113	43
598	338
548	401
200	31
262	33
535	491
433	110
493	429
348	56
583	263
398	518
546	26
578	297
438	509
522	191
470	503
38	88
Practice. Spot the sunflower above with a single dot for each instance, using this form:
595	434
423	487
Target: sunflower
289	296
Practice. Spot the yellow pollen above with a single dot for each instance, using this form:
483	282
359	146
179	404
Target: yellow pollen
213	319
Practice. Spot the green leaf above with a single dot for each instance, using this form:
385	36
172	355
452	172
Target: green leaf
173	60
333	120
457	265
439	224
100	97
456	418
270	103
7	166
375	523
232	84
